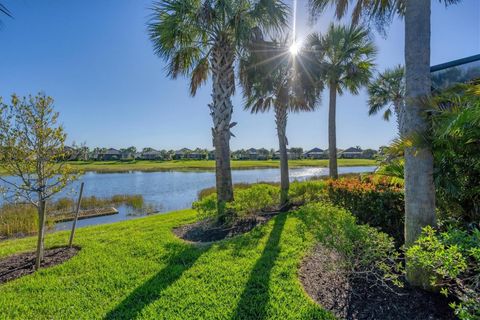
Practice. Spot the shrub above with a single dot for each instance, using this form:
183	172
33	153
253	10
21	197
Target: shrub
307	191
248	201
374	201
455	136
237	186
453	258
257	198
366	251
206	207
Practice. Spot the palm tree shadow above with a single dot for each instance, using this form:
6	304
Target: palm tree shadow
254	299
181	258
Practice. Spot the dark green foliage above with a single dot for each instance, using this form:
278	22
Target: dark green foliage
453	258
455	119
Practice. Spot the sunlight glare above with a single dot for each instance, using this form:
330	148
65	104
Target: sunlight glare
294	49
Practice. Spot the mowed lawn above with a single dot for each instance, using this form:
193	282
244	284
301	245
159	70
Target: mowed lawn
119	166
144	165
138	269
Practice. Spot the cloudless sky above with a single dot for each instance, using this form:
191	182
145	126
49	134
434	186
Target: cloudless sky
94	57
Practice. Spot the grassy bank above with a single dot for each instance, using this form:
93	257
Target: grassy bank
139	269
143	165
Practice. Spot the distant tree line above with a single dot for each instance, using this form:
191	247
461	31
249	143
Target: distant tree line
84	153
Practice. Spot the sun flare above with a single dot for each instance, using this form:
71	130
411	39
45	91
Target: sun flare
294	49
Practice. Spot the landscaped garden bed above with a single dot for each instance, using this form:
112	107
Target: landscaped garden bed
361	296
208	231
22	264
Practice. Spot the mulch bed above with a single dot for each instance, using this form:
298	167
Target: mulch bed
208	231
19	265
360	298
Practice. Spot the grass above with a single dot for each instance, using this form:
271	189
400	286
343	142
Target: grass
144	165
138	269
18	220
67	204
22	219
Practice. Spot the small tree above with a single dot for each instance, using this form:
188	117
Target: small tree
31	145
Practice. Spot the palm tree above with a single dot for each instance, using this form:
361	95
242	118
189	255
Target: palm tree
202	39
419	186
387	91
344	58
4	11
272	78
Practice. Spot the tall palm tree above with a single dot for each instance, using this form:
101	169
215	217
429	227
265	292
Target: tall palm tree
344	57
387	91
202	39
419	187
272	78
4	10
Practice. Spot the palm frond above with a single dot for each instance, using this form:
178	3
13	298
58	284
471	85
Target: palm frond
5	11
270	71
184	32
199	75
344	55
387	89
387	114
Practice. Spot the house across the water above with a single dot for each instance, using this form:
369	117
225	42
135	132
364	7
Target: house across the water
151	155
186	153
351	153
316	153
109	155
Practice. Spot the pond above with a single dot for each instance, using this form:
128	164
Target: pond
174	190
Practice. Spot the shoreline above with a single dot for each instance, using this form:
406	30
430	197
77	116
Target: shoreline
204	165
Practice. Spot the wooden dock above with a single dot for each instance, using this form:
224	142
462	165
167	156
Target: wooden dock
86	214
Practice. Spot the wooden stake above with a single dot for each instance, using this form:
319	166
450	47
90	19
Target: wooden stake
77	211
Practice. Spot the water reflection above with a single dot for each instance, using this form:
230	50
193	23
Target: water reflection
174	190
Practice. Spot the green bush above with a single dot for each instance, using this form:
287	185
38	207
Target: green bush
453	259
258	197
237	186
455	133
206	207
374	201
364	249
307	191
248	201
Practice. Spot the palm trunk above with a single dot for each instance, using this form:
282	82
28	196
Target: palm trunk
419	187
221	111
399	113
41	233
332	131
281	121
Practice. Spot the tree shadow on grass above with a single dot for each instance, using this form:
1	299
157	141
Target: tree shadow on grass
254	299
181	258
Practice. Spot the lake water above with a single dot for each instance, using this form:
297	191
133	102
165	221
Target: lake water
174	190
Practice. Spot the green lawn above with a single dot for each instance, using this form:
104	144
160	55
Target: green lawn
119	166
139	269
145	165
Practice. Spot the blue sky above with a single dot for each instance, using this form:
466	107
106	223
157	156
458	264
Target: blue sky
95	59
